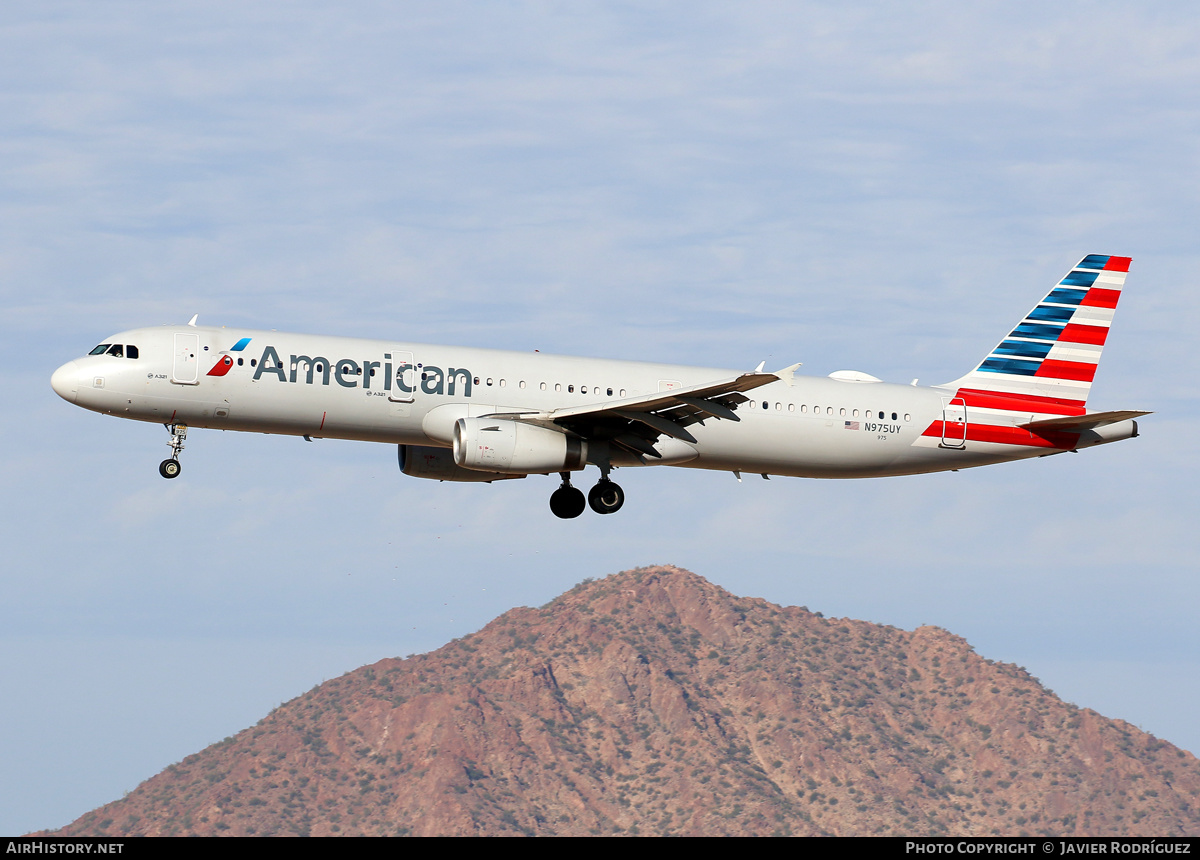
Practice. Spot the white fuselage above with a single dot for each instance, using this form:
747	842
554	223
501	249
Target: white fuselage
347	388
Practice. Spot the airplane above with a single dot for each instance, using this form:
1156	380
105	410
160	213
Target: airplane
483	415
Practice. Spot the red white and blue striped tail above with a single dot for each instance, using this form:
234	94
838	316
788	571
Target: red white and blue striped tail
1046	365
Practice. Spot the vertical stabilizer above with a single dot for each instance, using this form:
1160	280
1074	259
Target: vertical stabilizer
1047	363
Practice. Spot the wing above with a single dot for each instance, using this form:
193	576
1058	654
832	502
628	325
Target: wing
634	424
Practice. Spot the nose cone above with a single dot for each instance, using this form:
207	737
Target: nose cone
65	381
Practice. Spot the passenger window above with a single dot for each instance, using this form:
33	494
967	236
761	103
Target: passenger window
240	360
907	417
893	416
610	392
542	386
765	406
842	412
570	389
880	416
116	351
100	350
791	407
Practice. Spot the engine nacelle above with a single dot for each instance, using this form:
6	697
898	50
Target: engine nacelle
437	464
499	445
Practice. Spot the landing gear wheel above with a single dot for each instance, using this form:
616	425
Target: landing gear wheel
171	468
606	497
567	503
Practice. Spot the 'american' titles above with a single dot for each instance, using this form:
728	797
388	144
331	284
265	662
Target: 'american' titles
347	372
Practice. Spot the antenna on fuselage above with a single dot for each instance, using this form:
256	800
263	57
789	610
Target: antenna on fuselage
192	321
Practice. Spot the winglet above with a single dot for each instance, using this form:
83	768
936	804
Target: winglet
760	367
787	374
192	321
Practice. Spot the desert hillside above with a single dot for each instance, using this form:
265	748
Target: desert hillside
653	702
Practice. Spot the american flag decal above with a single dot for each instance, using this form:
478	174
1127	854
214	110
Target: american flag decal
851	425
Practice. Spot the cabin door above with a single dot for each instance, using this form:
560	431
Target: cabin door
186	368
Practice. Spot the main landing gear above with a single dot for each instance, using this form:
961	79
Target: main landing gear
606	497
567	502
171	468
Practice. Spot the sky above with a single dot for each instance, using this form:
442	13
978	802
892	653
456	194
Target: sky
879	187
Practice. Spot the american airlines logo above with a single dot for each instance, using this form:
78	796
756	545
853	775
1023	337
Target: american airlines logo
349	373
226	360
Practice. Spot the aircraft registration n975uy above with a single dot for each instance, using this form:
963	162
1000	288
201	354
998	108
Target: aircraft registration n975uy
465	414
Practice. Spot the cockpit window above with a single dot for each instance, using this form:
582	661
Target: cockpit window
116	350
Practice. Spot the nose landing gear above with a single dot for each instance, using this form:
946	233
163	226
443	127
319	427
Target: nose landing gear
171	468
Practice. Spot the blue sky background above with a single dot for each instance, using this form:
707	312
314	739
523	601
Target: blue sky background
885	188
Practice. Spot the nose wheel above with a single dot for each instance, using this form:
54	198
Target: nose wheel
171	468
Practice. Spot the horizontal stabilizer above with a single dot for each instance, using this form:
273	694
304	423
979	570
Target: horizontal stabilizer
1084	422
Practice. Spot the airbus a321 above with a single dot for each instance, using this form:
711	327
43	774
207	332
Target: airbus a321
466	414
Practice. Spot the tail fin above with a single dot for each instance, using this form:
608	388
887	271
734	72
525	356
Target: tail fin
1050	358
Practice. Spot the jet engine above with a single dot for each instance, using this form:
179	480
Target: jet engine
500	445
437	464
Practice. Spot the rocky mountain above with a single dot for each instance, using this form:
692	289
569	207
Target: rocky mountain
653	702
